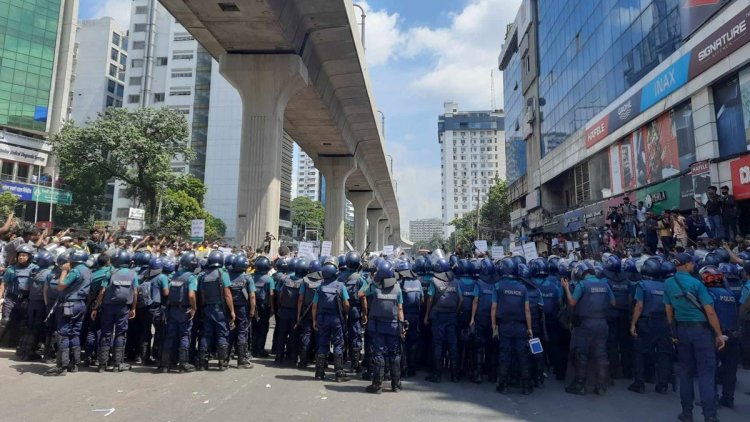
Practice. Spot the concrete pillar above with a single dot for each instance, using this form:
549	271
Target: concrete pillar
360	201
704	125
381	233
373	216
387	234
336	170
265	84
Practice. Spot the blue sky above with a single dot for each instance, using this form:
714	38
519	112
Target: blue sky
420	53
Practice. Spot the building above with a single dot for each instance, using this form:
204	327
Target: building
638	99
311	184
472	152
424	230
36	57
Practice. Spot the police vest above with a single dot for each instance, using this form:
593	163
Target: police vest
238	287
595	300
426	281
21	284
211	287
484	307
383	304
120	290
511	301
653	299
535	298
726	308
550	295
262	289
149	293
97	279
179	288
329	297
38	280
353	283
290	292
446	296
412	292
467	291
310	287
79	289
620	289
52	292
735	286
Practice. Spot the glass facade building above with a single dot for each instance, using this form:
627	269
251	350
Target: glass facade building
515	146
28	36
595	50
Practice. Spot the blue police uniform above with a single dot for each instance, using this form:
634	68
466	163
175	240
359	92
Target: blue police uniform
511	297
652	337
17	281
353	281
278	281
556	351
619	340
413	295
486	347
119	294
695	347
383	328
745	340
214	317
242	288
307	290
50	337
425	331
264	285
445	294
69	313
727	311
179	322
35	313
329	299
148	314
92	327
536	306
469	291
286	318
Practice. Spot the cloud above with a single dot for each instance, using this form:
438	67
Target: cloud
382	36
119	10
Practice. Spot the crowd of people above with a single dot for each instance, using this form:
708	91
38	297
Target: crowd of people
106	301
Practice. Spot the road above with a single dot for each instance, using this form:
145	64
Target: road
267	393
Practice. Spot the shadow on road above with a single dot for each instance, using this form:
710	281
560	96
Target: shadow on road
34	368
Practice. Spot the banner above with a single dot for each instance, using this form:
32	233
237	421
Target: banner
481	245
325	248
197	229
498	252
529	250
306	250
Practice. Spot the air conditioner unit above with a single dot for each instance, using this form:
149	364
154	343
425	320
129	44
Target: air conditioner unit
529	114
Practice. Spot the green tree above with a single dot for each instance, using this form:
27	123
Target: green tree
8	202
309	212
462	239
179	208
494	216
349	232
135	147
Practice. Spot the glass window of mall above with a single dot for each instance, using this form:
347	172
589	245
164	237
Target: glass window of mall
28	35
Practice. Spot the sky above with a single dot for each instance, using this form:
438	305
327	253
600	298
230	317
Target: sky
420	53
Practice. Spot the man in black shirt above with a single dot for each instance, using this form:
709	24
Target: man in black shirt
713	212
728	214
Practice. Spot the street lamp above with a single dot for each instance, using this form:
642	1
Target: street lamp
363	24
382	123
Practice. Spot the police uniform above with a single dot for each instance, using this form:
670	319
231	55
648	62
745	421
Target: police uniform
745	340
619	340
36	313
652	336
486	349
92	327
179	322
554	349
445	294
119	295
215	327
425	331
510	297
148	314
264	288
536	305
286	319
383	300
243	289
309	286
469	291
353	281
51	293
725	304
278	281
413	298
13	325
329	299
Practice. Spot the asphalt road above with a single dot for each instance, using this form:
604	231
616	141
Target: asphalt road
267	393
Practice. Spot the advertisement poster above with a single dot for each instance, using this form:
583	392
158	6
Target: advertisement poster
628	163
615	165
700	174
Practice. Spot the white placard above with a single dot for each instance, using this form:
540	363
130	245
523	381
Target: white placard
529	250
388	250
306	250
136	213
481	245
325	248
198	228
568	245
498	252
134	225
518	251
554	242
576	245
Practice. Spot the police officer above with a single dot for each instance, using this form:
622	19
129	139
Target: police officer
264	302
744	316
649	328
118	301
73	285
470	292
182	305
244	300
148	312
727	311
216	300
286	318
424	271
619	340
590	301
510	316
353	280
549	287
16	284
413	297
691	315
310	284
382	303
529	276
281	265
51	293
36	308
445	297
329	307
481	322
92	326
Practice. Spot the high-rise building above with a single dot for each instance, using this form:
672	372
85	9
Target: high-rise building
36	48
425	229
472	152
311	184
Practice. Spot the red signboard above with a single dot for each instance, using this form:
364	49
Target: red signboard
741	177
597	132
44	224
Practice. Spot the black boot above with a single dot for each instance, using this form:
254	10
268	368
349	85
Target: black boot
686	415
338	367
163	363
526	387
455	371
303	357
395	375
222	353
119	364
242	360
184	360
436	375
376	386
320	367
356	359
75	359
637	387
201	360
61	368
476	377
145	355
103	358
502	381
577	387
602	380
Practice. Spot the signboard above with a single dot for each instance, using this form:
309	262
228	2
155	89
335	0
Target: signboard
23	155
518	250
693	14
498	252
134	225
23	192
136	213
741	177
388	250
197	230
529	250
481	245
721	43
45	225
325	248
306	250
51	195
665	82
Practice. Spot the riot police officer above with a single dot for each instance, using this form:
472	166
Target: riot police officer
181	308
149	312
486	350
445	297
329	306
15	284
382	302
217	311
619	340
510	316
310	284
264	302
413	297
549	287
590	300
469	272
281	265
244	301
36	308
70	307
118	301
51	294
353	280
92	326
423	268
650	329
286	317
529	276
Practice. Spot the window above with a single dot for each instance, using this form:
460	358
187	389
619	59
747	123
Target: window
122	212
182	56
159	97
182	73
135	80
139	27
133	99
110	101
120	90
115	38
179	92
112	70
136	63
111	86
123	59
161	61
183	37
114	54
141	10
139	45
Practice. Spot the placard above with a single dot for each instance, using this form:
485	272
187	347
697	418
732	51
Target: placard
197	229
388	250
518	251
498	252
306	250
481	245
325	248
529	250
136	213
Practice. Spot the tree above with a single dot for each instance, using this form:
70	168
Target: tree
308	213
466	233
8	202
135	147
436	242
494	221
179	208
348	232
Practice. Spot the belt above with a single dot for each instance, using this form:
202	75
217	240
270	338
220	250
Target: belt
686	324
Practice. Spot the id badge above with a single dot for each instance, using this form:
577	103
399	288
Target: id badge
536	346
